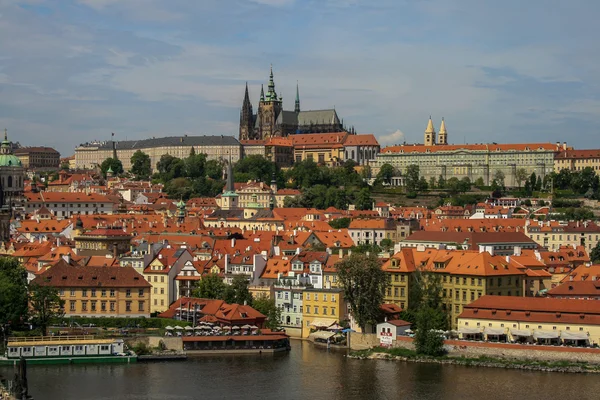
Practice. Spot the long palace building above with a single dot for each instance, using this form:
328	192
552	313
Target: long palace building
436	158
90	155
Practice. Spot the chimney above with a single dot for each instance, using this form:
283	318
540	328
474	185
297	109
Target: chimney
341	253
564	146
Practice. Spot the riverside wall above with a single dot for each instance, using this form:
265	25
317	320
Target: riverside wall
462	348
171	343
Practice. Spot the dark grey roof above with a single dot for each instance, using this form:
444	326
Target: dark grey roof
171	141
288	118
318	117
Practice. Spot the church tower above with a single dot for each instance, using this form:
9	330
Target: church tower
297	104
443	134
229	198
430	134
270	107
246	118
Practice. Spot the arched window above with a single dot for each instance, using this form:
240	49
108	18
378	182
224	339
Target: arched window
10	181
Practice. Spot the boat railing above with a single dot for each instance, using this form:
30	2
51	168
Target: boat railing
59	338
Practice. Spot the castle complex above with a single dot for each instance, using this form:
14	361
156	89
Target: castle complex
271	120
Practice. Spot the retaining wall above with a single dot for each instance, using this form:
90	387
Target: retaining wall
171	343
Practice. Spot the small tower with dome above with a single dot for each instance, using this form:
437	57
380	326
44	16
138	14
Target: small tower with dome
12	176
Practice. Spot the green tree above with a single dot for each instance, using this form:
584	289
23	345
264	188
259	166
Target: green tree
479	182
422	186
363	200
211	286
441	183
237	292
46	305
432	183
520	176
140	165
595	254
386	173
386	244
266	306
256	167
113	163
412	179
364	284
340	223
499	177
428	339
13	294
64	165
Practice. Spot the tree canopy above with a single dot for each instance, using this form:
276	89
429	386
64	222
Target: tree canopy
364	284
210	287
265	305
140	165
46	305
13	293
190	177
238	292
114	164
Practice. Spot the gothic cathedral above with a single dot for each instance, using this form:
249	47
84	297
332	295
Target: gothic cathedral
271	120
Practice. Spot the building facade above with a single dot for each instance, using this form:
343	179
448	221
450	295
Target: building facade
321	308
12	176
90	155
577	160
38	157
472	161
271	120
98	291
65	205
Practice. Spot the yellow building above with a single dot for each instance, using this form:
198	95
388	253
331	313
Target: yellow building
99	291
322	148
528	319
464	275
554	234
577	160
322	308
38	157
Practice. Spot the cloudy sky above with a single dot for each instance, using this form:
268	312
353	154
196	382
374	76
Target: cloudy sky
498	71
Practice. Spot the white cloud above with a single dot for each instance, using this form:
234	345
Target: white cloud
393	138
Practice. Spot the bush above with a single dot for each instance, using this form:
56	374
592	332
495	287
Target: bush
142	349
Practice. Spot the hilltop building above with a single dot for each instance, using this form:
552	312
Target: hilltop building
12	176
271	120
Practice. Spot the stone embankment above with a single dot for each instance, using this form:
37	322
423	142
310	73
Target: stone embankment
477	363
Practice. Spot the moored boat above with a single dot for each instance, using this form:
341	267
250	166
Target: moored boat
66	350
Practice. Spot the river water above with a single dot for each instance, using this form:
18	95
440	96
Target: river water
305	373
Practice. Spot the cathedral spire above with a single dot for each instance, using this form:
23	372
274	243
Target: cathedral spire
430	133
246	118
297	105
262	93
430	128
271	93
443	134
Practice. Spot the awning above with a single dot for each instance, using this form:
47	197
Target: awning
469	331
539	334
322	322
520	332
495	331
321	335
567	335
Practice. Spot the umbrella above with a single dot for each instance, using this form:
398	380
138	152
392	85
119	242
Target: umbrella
348	330
216	328
179	327
254	327
169	328
235	327
199	327
226	328
246	327
206	328
408	331
189	328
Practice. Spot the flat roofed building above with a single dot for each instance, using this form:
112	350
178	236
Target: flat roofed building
90	155
533	318
471	161
65	205
38	157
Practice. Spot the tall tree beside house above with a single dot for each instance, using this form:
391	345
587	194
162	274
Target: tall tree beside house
265	305
363	199
411	179
210	287
46	305
140	165
340	223
595	254
386	173
13	294
364	284
238	292
112	163
521	176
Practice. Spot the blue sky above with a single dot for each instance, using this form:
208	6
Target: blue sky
510	71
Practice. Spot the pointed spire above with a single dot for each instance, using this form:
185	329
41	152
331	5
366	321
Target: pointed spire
229	187
246	96
5	135
271	94
297	105
430	128
262	93
443	126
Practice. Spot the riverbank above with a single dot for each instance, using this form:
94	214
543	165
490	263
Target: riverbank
400	354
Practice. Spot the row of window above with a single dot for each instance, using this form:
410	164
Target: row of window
103	292
315	310
568	328
315	297
94	304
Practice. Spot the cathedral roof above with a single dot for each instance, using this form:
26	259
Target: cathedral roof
318	117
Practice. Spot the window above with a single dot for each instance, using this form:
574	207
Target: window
128	293
72	305
103	306
84	305
140	306
83	292
316	310
112	306
162	291
103	293
112	292
128	306
93	292
155	290
324	297
72	292
140	292
456	309
332	311
395	292
103	348
162	279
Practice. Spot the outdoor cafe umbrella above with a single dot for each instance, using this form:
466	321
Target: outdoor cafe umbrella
189	328
254	327
216	328
169	328
199	327
334	327
235	327
179	328
226	328
246	327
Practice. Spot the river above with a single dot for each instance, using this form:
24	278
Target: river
305	373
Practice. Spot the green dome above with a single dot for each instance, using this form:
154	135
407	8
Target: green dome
9	160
